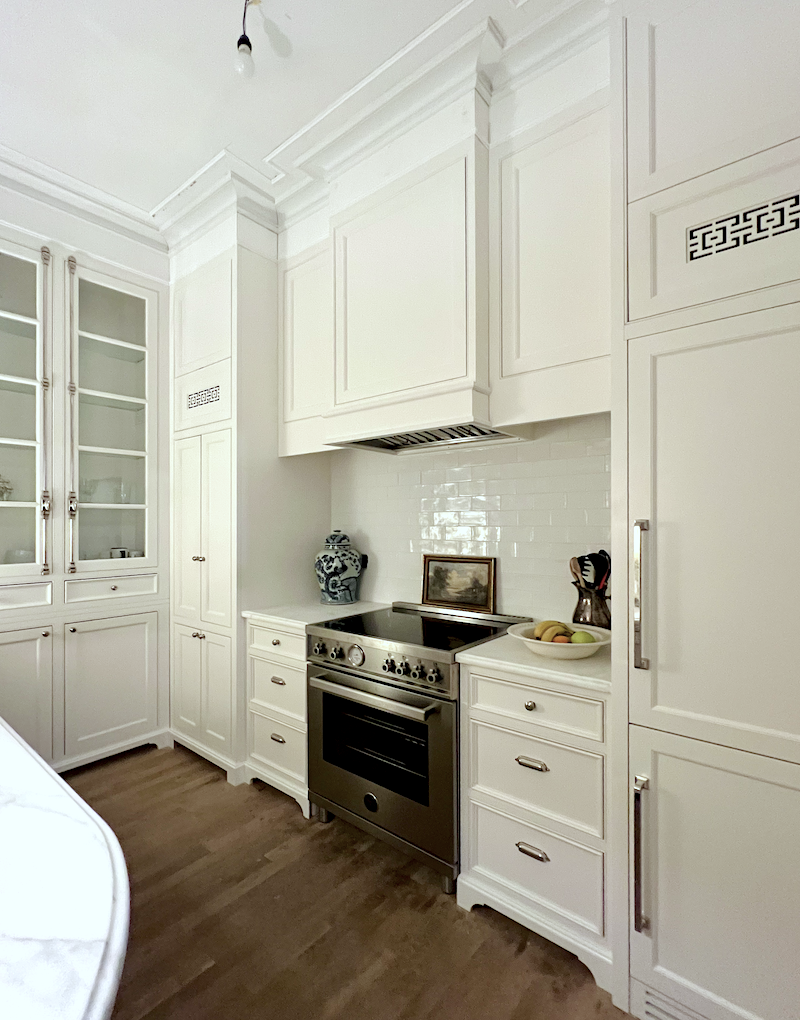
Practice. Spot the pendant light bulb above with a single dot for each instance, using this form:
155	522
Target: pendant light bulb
244	63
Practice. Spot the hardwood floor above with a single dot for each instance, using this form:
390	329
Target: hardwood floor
242	910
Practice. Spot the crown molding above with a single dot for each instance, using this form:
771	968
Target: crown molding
225	185
26	176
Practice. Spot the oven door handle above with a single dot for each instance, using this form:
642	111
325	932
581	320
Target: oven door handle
373	701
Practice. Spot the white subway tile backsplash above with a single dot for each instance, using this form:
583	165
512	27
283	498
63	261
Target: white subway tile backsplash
531	504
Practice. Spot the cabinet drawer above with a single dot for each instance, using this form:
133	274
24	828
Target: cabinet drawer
277	642
278	687
278	745
110	588
23	596
565	712
559	781
569	881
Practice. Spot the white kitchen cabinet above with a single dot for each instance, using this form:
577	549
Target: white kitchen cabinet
718	882
110	682
202	554
26	686
204	316
202	692
306	313
714	425
534	797
708	83
551	230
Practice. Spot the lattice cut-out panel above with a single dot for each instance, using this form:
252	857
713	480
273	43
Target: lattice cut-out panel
759	223
207	396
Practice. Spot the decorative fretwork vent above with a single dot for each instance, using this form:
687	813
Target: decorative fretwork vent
404	442
201	397
759	223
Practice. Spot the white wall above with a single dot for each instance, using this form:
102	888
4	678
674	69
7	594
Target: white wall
531	504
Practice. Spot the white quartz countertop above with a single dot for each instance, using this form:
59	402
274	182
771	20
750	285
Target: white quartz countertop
511	656
304	613
64	899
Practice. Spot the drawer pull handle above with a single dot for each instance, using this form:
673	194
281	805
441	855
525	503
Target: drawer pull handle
113	587
533	851
530	706
277	738
276	641
277	680
532	763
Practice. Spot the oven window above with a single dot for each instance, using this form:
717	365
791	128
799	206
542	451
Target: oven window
378	746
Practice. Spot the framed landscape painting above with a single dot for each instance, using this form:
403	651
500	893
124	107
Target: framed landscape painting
459	582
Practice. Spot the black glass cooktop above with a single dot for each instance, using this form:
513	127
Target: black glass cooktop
416	628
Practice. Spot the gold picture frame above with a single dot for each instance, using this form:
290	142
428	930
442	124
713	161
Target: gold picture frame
459	582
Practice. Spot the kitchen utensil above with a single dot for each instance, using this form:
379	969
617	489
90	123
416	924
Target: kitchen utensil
550	650
592	607
576	570
605	576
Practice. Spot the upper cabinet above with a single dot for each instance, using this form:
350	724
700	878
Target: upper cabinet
551	285
411	286
203	323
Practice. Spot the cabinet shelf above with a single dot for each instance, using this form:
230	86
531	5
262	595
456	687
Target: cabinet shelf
138	350
17	383
18	503
112	451
118	401
109	506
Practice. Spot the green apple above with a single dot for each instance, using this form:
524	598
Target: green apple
581	637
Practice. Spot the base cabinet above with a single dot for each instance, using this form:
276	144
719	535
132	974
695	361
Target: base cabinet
26	686
202	689
110	682
717	879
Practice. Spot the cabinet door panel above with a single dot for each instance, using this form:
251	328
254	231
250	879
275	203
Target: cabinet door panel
187	685
719	878
708	83
110	681
217	496
204	316
217	693
307	336
186	537
714	421
26	686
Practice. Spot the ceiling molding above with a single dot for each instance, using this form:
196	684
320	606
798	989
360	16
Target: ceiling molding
26	176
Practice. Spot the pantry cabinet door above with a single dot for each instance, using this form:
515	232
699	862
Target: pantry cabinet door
187	685
217	691
708	83
216	594
26	686
714	425
718	879
110	682
186	531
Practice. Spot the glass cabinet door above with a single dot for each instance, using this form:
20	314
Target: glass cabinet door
24	494
110	416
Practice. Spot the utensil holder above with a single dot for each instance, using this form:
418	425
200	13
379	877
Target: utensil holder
592	607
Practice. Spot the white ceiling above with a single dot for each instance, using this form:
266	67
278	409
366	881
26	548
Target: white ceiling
133	98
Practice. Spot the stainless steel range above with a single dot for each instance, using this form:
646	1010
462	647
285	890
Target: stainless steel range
383	724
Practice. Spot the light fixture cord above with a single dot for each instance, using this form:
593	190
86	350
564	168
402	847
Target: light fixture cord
244	17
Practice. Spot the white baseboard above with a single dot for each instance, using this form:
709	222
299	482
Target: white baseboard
256	770
161	738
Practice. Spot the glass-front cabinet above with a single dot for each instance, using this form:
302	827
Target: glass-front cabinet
111	416
24	477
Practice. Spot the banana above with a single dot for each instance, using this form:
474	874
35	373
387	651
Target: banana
557	628
540	628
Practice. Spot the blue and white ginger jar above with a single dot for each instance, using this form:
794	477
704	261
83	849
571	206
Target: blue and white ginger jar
339	568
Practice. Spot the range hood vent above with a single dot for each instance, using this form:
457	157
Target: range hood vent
406	442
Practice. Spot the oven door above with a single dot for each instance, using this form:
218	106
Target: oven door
386	755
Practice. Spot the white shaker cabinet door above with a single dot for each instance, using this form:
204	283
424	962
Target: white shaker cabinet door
26	686
718	879
203	315
217	527
186	536
187	685
714	447
110	681
217	691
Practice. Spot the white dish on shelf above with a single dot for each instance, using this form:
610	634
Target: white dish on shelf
552	650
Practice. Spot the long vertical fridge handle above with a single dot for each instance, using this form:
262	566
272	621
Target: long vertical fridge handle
639	661
72	500
45	504
640	922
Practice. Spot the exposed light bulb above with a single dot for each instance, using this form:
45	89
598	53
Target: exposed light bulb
244	63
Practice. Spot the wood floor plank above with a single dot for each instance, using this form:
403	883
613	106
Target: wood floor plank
243	910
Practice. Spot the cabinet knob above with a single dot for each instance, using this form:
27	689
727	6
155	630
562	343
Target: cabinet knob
194	633
113	587
276	641
201	559
72	630
194	559
530	706
202	637
45	633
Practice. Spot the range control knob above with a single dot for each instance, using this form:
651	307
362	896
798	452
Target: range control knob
318	648
418	672
402	668
337	652
388	666
434	676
